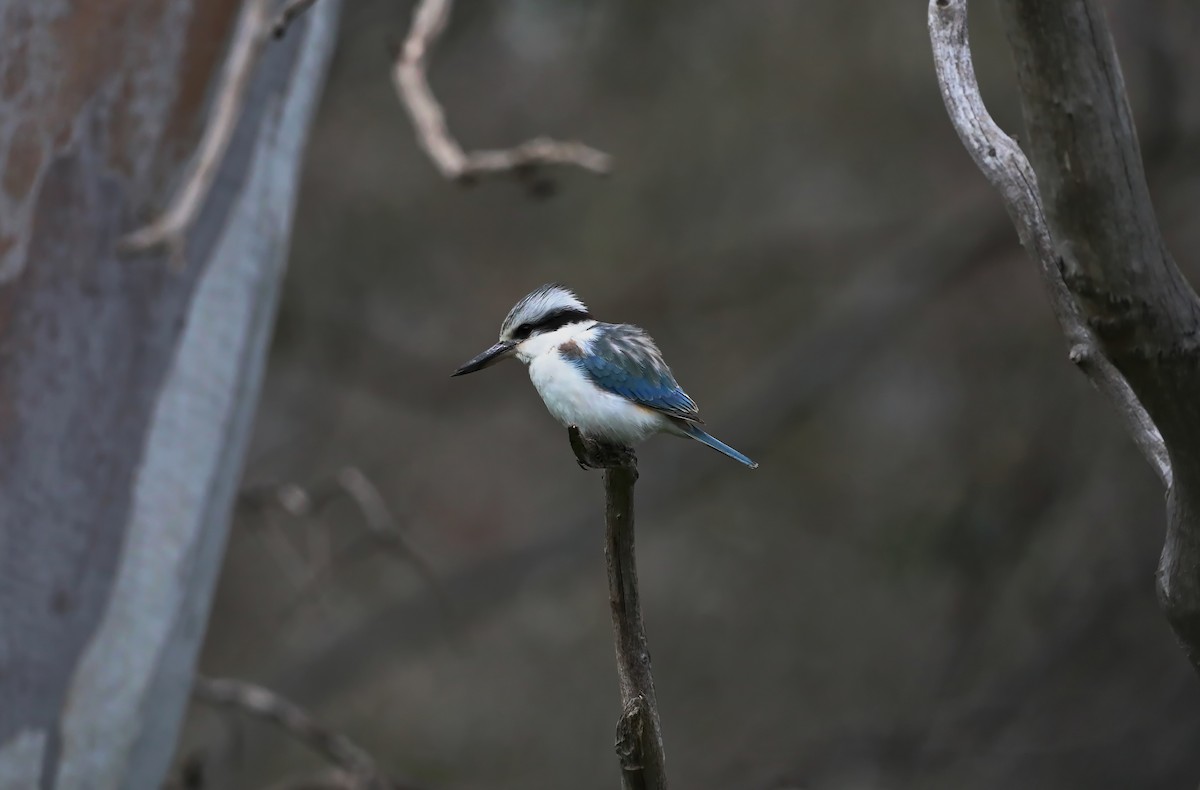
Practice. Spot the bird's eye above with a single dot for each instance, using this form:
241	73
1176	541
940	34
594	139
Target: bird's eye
522	331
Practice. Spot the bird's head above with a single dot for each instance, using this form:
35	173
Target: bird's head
528	324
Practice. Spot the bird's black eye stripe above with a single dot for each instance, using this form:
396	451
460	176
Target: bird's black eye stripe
555	320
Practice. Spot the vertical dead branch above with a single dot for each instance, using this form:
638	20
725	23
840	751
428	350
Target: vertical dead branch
1130	316
639	733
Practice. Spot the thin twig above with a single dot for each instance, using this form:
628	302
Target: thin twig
171	227
410	75
262	703
638	743
331	779
366	496
381	525
1006	167
288	14
301	501
383	528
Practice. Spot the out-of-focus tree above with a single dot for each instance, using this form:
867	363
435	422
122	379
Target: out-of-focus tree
127	385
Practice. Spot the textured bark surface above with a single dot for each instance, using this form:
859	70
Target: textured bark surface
1004	164
1084	149
639	740
126	388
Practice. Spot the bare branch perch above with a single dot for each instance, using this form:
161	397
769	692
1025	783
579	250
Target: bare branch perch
639	733
409	73
262	703
170	229
1009	171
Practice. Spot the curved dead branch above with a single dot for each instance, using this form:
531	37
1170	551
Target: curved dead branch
361	770
409	73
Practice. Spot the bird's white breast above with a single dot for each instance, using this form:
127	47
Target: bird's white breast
574	400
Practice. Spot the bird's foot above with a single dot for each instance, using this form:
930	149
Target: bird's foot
594	454
582	447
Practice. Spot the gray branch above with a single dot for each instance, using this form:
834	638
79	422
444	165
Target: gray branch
1008	170
1083	210
638	743
363	773
383	530
409	74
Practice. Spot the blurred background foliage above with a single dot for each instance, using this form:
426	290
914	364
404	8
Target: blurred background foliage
942	574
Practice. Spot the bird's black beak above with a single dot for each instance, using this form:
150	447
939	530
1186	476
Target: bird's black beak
488	358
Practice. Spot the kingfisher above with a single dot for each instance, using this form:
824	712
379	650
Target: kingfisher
607	380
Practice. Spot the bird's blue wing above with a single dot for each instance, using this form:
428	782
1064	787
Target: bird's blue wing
623	360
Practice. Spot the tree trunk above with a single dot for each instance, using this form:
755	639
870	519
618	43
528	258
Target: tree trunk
1084	149
127	387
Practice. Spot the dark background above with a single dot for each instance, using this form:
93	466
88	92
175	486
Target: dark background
942	575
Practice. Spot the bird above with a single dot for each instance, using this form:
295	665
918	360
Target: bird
608	381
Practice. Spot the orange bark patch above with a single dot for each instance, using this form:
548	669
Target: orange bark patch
122	130
8	293
16	72
24	160
6	244
16	25
115	38
90	40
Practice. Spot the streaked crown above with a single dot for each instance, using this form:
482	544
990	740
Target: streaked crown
548	308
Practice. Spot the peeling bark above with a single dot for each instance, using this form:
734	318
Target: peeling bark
126	388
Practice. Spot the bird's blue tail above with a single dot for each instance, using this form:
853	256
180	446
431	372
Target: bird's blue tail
699	435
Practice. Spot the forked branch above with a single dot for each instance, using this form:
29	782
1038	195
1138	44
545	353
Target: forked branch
256	26
1131	317
382	527
410	75
1007	168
